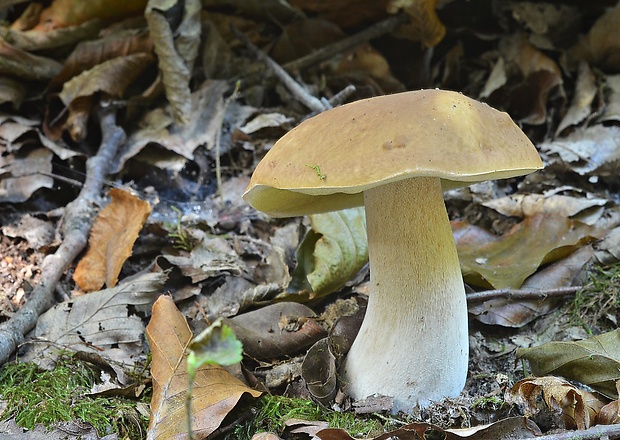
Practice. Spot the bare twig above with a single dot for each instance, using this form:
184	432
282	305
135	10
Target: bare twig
218	140
594	433
478	297
77	222
301	94
376	30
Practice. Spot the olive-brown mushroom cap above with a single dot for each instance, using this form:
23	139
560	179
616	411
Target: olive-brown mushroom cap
326	162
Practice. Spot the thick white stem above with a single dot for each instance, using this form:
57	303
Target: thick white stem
413	343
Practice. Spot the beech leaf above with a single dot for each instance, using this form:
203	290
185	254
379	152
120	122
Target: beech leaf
102	322
215	390
332	252
556	397
113	234
506	261
594	362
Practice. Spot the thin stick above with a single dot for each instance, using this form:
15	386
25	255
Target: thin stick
376	30
218	139
478	297
312	102
596	432
77	222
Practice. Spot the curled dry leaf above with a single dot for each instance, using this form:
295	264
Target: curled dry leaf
601	46
111	77
277	330
586	90
594	362
19	64
215	392
23	173
104	322
510	428
175	55
506	261
556	397
595	149
89	54
64	13
586	210
113	234
332	253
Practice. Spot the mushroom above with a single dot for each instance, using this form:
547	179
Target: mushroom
395	155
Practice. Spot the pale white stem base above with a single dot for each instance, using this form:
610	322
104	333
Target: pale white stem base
413	344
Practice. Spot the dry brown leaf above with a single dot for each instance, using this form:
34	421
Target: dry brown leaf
215	391
551	395
586	90
112	237
510	428
586	210
105	323
111	77
601	46
25	66
64	13
89	54
176	52
23	173
425	25
506	261
540	75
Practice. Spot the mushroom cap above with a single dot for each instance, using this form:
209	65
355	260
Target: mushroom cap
328	161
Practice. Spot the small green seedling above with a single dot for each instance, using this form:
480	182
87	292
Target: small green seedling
181	240
318	171
216	345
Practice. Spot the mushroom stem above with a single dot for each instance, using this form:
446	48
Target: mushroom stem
413	344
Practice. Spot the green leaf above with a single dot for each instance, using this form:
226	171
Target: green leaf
332	253
216	345
594	361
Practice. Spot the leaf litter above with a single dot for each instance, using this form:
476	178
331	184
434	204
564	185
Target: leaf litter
218	258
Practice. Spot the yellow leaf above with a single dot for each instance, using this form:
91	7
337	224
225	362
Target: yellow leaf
215	392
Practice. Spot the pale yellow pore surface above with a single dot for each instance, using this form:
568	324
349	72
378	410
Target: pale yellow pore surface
327	161
413	343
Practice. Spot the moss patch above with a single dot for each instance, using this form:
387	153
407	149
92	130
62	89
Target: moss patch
273	411
34	396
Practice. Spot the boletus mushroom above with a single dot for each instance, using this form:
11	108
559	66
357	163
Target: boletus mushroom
395	155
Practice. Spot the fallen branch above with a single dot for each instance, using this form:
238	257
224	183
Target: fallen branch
77	222
596	432
478	297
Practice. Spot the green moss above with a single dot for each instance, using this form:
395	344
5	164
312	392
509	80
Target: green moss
271	412
599	301
34	396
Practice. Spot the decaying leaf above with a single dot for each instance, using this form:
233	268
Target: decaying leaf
112	77
176	51
601	46
586	210
158	127
595	149
510	428
506	261
277	330
20	64
581	105
572	407
215	391
64	13
517	313
113	234
103	322
23	173
333	251
594	362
